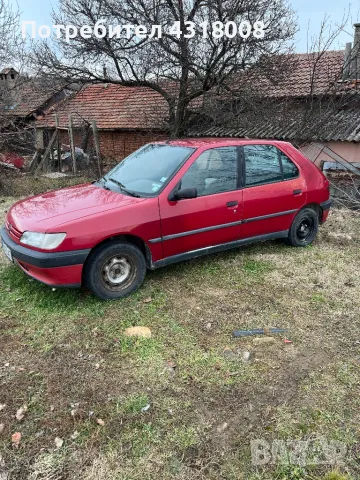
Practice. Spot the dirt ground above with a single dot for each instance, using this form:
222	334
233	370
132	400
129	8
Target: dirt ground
187	402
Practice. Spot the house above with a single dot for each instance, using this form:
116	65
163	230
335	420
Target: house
22	100
318	102
126	118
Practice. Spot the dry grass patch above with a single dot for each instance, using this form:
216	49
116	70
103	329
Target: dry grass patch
64	355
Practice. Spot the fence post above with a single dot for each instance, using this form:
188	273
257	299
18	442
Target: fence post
47	153
72	145
97	146
58	147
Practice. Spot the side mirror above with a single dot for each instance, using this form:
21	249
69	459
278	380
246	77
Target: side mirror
183	194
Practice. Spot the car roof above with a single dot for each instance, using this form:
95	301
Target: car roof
217	141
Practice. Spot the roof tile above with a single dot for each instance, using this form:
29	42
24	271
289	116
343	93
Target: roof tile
113	107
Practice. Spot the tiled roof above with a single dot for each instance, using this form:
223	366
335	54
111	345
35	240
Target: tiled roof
308	74
336	125
33	99
117	107
285	111
27	96
113	107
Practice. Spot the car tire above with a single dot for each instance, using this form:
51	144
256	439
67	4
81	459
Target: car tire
114	270
304	228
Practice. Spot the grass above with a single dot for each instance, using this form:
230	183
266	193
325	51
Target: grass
133	404
15	185
63	353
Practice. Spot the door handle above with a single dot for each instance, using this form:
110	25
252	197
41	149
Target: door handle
297	192
234	203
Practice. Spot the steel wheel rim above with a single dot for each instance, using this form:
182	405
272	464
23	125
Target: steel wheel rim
305	229
118	272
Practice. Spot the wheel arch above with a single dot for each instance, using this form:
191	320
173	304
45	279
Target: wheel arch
133	239
315	206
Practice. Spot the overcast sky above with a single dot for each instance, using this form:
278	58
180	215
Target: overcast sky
310	14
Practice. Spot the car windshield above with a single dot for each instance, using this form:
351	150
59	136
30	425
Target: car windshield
148	169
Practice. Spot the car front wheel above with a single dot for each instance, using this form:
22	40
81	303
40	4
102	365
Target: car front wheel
304	228
115	270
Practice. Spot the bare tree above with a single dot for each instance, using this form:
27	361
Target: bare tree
293	92
11	54
13	79
9	37
180	69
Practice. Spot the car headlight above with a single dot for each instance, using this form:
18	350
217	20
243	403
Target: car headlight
45	241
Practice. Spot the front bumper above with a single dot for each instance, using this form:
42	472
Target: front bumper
52	268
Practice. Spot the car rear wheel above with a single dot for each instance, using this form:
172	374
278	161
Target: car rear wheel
115	270
304	228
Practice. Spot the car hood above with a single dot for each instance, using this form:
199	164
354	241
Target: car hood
49	210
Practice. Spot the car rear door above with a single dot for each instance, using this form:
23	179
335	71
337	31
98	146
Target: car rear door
274	190
214	217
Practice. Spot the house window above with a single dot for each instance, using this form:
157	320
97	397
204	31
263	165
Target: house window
267	164
214	171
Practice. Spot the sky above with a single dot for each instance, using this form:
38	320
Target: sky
310	14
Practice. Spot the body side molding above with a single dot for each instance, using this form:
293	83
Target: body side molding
224	225
218	248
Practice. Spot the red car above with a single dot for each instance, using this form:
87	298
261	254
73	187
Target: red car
167	202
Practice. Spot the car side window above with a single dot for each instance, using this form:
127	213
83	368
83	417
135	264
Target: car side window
214	171
262	164
290	170
267	164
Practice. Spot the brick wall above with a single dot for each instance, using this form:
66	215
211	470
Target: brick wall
116	145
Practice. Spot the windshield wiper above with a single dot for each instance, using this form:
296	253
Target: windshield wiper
122	187
102	179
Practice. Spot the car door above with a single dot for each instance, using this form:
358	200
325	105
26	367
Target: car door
214	217
274	190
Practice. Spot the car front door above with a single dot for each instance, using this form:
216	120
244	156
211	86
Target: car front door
214	217
274	190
